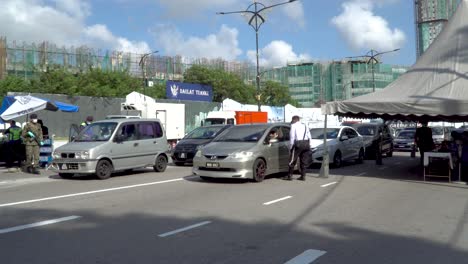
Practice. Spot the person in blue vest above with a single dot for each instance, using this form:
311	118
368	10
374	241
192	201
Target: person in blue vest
14	144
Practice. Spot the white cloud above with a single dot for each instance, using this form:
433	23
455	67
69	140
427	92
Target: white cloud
61	22
277	53
223	44
362	29
295	11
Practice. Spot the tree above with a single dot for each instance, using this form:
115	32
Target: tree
13	83
225	85
276	94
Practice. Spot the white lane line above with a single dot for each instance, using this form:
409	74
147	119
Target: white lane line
361	174
184	229
3	182
328	184
42	223
383	168
91	192
307	257
277	200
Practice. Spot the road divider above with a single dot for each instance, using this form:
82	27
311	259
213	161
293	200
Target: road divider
90	192
277	200
184	229
38	224
307	257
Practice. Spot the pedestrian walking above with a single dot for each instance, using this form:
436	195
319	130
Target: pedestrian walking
87	122
32	137
14	147
423	140
299	136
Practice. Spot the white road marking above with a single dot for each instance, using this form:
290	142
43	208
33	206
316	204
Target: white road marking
91	192
3	182
383	168
42	223
184	229
328	184
361	174
307	257
277	200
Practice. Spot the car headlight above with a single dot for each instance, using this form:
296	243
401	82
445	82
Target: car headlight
198	154
56	155
242	154
82	155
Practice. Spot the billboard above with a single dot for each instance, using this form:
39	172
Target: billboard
188	91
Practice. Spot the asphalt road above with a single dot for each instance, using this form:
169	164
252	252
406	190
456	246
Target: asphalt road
360	214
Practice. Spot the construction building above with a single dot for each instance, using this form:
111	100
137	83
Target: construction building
310	83
430	18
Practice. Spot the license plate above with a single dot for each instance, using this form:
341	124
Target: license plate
183	155
212	165
63	167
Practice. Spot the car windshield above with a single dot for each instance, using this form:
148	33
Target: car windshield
96	132
204	132
242	134
437	131
367	130
406	135
317	133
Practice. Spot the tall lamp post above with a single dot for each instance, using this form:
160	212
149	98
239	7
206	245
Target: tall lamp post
142	64
256	21
372	55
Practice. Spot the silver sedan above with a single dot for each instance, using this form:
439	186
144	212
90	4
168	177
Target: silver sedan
245	152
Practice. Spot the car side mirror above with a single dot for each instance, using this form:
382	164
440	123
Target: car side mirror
119	138
343	138
72	138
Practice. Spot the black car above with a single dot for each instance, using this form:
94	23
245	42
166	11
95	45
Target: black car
370	132
185	150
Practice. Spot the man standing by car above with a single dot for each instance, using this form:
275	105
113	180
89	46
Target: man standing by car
32	136
423	140
14	144
299	136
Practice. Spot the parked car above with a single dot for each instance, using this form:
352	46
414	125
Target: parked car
344	143
186	148
405	140
244	152
107	146
122	116
371	134
440	134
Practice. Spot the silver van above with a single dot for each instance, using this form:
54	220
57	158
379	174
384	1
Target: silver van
113	145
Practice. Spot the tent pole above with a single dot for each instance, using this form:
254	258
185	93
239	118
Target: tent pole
324	169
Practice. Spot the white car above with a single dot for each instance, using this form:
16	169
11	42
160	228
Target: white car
344	143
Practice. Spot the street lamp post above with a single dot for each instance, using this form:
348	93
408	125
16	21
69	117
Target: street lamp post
372	55
145	80
256	21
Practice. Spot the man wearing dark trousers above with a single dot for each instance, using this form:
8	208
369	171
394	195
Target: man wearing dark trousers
299	136
32	137
424	141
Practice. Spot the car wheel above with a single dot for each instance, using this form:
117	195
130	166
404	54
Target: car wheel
66	175
360	158
205	178
179	163
259	170
104	169
337	162
160	164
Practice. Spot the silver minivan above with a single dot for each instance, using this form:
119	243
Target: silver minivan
113	145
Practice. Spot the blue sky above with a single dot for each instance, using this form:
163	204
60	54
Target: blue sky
303	30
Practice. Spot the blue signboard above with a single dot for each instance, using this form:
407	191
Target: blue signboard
188	91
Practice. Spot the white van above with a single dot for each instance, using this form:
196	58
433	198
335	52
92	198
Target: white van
107	146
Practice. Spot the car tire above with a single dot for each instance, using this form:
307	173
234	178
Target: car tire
337	160
66	175
104	169
179	163
259	170
160	164
360	158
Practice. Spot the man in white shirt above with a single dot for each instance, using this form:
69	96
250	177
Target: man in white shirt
299	136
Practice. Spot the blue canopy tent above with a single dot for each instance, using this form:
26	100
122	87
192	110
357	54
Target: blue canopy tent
16	106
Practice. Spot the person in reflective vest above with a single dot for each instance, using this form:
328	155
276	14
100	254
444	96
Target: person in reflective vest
14	145
89	120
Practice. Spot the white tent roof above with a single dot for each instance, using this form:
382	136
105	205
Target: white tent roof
435	88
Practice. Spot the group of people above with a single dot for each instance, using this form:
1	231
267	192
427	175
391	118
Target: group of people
25	140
